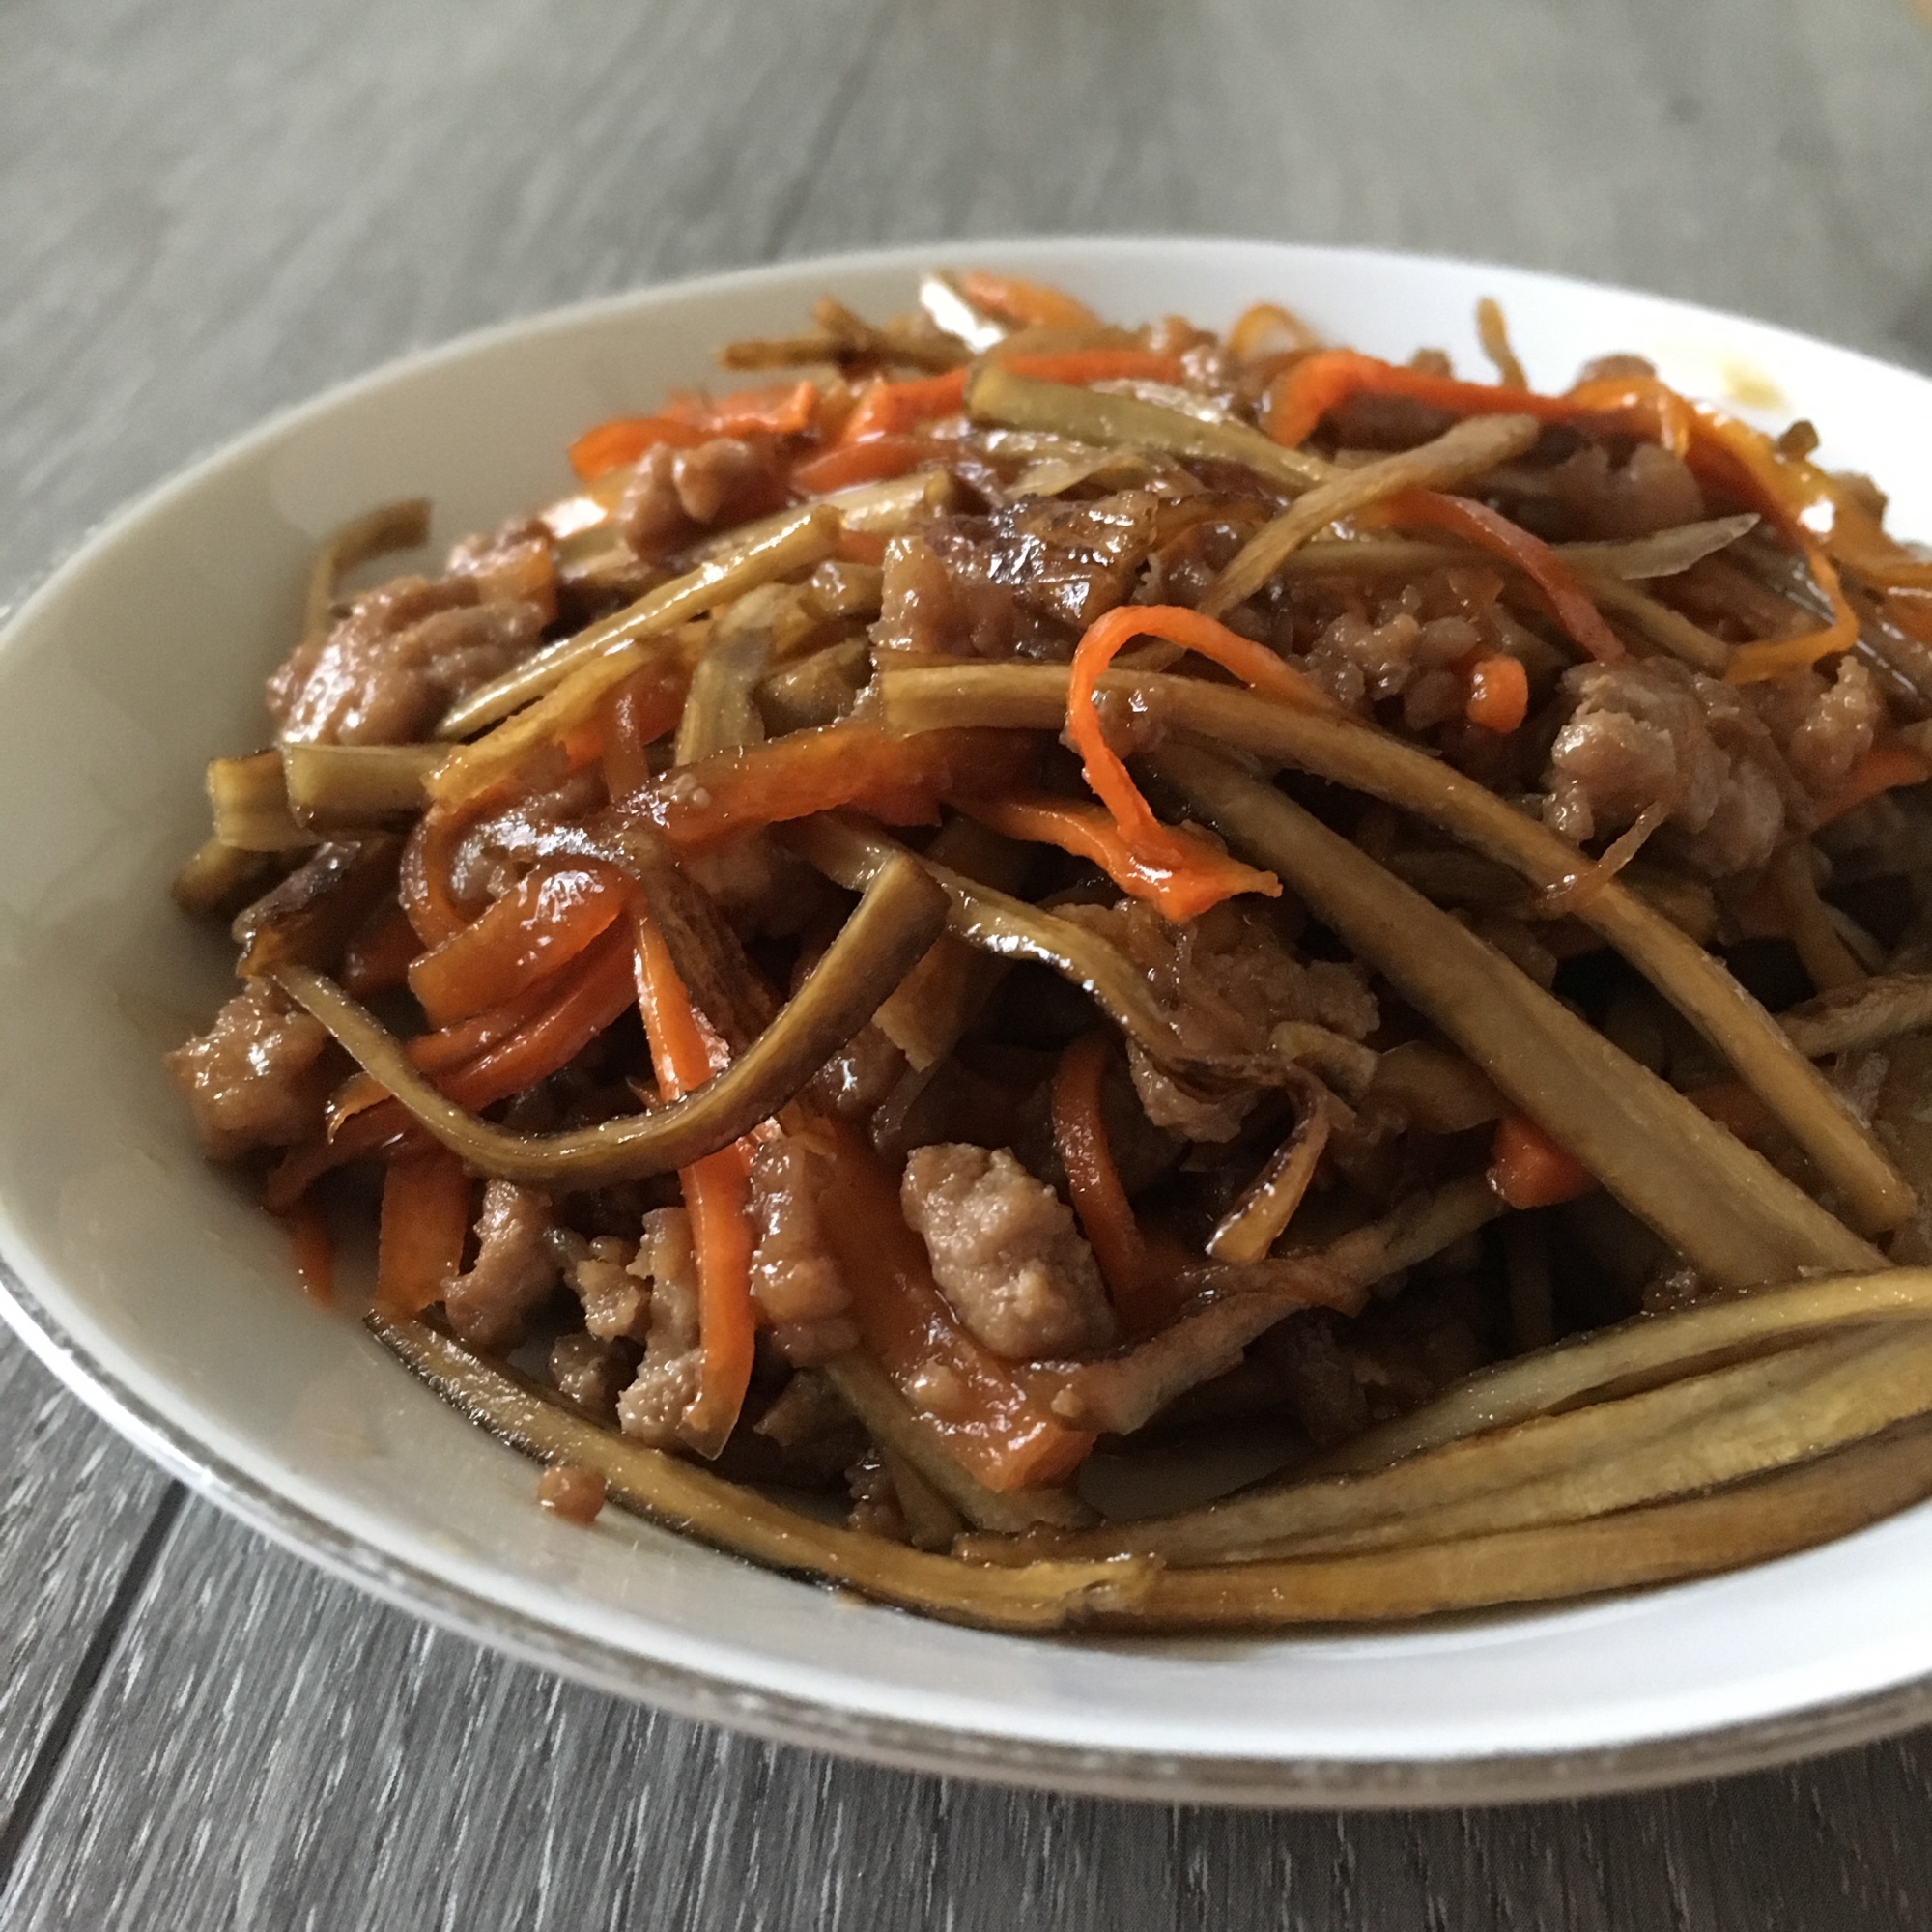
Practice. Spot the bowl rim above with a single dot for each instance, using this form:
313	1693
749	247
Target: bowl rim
899	1743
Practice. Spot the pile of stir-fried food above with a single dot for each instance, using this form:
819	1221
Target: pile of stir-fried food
1024	896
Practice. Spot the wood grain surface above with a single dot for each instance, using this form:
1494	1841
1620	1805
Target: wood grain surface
209	212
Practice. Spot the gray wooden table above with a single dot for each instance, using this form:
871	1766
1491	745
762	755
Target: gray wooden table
209	211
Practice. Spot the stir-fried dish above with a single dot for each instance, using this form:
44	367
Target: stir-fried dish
1023	912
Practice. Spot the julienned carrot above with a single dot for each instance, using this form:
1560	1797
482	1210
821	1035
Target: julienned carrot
1529	1170
893	409
1886	765
619	443
1305	392
424	1222
1089	832
717	1194
452	1048
1005	1436
1137	1276
899	779
1493	532
589	995
1027	304
1201	872
423	881
782	409
878	459
1498	698
632	716
314	1249
547	918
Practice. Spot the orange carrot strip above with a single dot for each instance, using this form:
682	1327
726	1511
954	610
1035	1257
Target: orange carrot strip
422	885
1498	693
784	409
547	918
1088	830
993	1424
897	779
587	998
1888	764
1079	367
377	959
1529	1170
631	717
425	1220
875	460
1139	1274
1029	305
1480	525
619	443
314	1248
895	408
1309	387
1184	853
717	1193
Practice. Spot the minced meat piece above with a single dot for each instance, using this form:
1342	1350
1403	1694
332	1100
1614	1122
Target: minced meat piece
403	655
1824	728
653	1406
1651	491
678	494
516	565
589	1373
258	1077
1659	733
1024	580
514	1272
1006	1253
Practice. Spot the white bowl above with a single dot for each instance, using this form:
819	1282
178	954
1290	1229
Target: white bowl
160	1293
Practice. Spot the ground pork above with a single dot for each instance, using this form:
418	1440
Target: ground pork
1225	980
258	1077
516	565
678	494
1006	1253
1651	491
795	1280
589	1373
513	1271
1824	726
1024	580
653	1406
616	1304
401	656
1738	766
1361	664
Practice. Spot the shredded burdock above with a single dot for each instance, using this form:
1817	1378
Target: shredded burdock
1029	898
